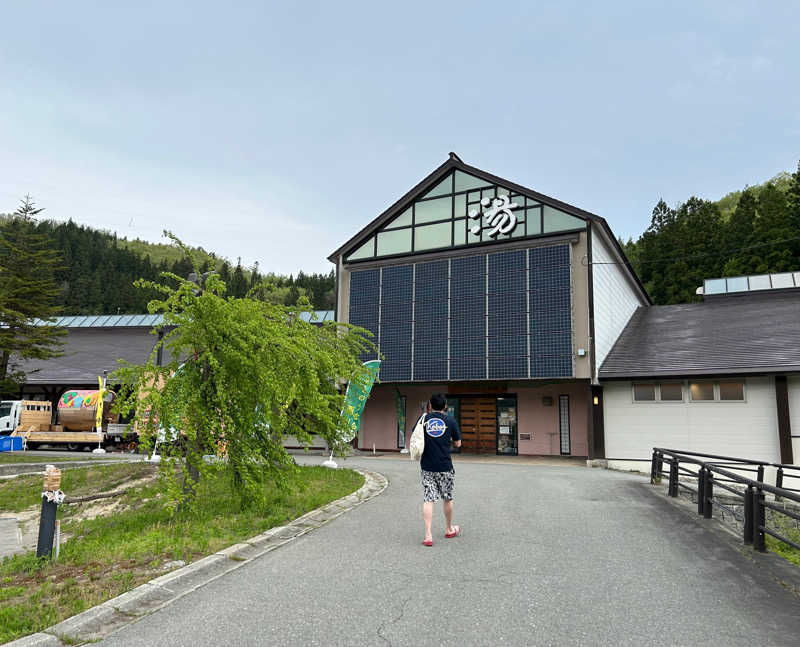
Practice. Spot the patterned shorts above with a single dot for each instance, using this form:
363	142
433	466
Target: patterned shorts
438	484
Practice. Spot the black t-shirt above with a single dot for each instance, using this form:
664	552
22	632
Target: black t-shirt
440	429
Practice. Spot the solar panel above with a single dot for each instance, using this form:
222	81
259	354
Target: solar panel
468	317
430	321
364	304
507	315
396	322
550	312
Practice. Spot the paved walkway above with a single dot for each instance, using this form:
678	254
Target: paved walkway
550	556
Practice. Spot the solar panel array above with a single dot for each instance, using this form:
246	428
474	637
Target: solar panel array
502	315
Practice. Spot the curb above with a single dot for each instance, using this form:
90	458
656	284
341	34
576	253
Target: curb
100	621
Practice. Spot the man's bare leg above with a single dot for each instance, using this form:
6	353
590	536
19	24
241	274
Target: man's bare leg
427	517
448	515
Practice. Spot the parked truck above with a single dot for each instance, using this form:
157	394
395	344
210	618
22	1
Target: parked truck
75	428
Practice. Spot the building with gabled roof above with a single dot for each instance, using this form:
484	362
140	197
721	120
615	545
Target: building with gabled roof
485	290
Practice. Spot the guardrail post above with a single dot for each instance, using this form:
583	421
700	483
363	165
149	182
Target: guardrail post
701	489
760	473
759	521
673	478
779	482
748	514
654	468
708	494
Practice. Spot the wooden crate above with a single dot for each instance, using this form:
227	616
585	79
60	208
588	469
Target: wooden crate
35	413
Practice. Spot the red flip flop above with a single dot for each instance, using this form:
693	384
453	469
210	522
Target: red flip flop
456	532
427	542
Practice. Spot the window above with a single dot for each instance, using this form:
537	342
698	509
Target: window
663	392
701	391
731	391
671	392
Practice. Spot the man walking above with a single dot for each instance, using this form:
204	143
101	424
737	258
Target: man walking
438	475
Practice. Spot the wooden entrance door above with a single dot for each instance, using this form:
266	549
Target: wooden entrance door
479	425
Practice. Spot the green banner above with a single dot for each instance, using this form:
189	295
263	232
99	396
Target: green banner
355	399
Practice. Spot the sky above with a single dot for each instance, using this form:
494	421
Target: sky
275	131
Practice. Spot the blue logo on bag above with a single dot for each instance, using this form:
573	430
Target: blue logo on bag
435	427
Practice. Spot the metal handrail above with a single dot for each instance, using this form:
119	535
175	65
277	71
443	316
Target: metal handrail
755	505
728	458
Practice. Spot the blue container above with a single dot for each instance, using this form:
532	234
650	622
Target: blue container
10	444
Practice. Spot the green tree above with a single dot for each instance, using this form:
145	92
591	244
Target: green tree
28	292
244	373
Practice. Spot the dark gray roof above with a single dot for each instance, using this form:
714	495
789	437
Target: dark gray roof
748	333
88	352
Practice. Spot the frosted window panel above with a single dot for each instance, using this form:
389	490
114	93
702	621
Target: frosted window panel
731	391
403	220
394	242
760	282
518	200
714	286
644	392
430	210
443	188
555	220
534	219
782	280
432	236
367	250
460	208
519	230
459	232
466	182
502	191
672	392
737	284
797	279
701	391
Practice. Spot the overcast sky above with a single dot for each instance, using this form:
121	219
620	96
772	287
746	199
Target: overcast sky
275	131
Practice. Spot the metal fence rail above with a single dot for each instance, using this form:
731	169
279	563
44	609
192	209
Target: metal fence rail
714	473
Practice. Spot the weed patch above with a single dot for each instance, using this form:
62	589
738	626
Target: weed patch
108	555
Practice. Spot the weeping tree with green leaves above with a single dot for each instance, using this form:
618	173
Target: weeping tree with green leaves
241	374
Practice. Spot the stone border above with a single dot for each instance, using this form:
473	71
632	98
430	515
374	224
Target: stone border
100	621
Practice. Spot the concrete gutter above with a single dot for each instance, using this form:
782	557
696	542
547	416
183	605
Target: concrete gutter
98	622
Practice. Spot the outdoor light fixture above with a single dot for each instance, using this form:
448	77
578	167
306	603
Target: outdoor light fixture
596	400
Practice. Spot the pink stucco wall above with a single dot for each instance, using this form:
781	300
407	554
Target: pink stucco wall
379	424
542	421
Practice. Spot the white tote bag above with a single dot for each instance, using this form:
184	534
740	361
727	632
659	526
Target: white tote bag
417	443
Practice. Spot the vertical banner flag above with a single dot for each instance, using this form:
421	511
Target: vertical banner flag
101	392
355	398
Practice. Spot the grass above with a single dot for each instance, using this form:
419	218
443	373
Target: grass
7	458
23	492
788	528
109	555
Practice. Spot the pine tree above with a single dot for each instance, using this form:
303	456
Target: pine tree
28	291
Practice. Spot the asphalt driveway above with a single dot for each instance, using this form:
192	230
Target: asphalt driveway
550	555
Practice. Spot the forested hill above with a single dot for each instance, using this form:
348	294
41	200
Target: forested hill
98	271
753	231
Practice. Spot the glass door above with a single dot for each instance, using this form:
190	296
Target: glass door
507	425
454	410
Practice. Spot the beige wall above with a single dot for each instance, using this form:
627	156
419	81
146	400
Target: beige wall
580	308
